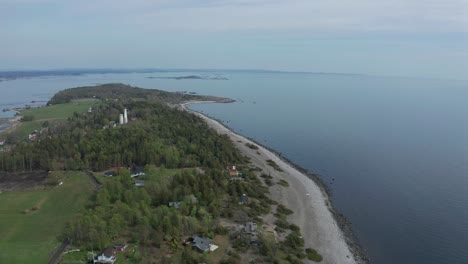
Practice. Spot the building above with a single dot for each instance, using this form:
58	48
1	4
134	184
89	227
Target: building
175	205
233	171
203	244
110	173
250	229
2	142
121	119
108	256
244	199
136	171
139	183
120	247
125	116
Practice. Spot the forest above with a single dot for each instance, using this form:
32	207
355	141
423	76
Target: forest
156	136
123	91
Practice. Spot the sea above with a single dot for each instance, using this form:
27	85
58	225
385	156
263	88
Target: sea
393	151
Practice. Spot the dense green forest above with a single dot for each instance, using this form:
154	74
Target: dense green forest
157	134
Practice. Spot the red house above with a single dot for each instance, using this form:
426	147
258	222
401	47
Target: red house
233	171
120	247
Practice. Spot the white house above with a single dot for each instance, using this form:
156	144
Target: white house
108	256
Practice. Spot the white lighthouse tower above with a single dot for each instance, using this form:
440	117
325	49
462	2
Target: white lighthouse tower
121	119
125	117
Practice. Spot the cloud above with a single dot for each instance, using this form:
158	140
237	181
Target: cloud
269	15
272	15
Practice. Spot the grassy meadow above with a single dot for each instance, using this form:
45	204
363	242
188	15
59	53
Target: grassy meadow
51	114
30	221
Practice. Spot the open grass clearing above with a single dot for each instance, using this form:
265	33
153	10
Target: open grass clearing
32	220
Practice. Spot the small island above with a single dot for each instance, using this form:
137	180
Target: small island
192	77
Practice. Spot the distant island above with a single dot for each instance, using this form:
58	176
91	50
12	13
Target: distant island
191	77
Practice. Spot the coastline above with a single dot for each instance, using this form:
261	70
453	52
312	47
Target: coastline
323	227
8	124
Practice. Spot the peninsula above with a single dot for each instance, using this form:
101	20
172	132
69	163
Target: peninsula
155	182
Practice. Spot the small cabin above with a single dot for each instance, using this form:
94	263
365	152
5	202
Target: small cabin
120	247
108	256
233	171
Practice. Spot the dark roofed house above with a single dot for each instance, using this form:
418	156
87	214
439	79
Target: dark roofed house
203	244
244	199
137	171
108	256
251	230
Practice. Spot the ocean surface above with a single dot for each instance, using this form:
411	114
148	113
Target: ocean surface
394	151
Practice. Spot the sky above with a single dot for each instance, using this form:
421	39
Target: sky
414	38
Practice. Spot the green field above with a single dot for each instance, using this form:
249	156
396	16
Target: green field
60	111
28	235
53	113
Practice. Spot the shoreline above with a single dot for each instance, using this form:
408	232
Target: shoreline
335	231
7	124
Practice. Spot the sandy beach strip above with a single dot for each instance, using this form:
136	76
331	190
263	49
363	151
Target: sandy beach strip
307	199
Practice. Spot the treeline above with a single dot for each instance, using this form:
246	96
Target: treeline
156	134
122	91
122	211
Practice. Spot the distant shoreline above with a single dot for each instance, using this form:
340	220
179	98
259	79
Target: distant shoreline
344	226
191	77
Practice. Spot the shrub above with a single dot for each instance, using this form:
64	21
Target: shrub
274	165
282	210
27	118
313	255
252	146
282	223
283	183
294	241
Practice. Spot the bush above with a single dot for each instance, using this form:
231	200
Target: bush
221	230
274	165
282	210
283	183
313	255
294	228
293	259
252	146
294	241
27	118
282	223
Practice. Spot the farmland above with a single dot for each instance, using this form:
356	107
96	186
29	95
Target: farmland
31	220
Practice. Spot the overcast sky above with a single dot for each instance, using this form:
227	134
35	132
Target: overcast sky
425	38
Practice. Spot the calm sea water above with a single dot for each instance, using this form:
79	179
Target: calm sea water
394	151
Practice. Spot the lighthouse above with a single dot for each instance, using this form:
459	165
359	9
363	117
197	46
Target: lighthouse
125	117
121	119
